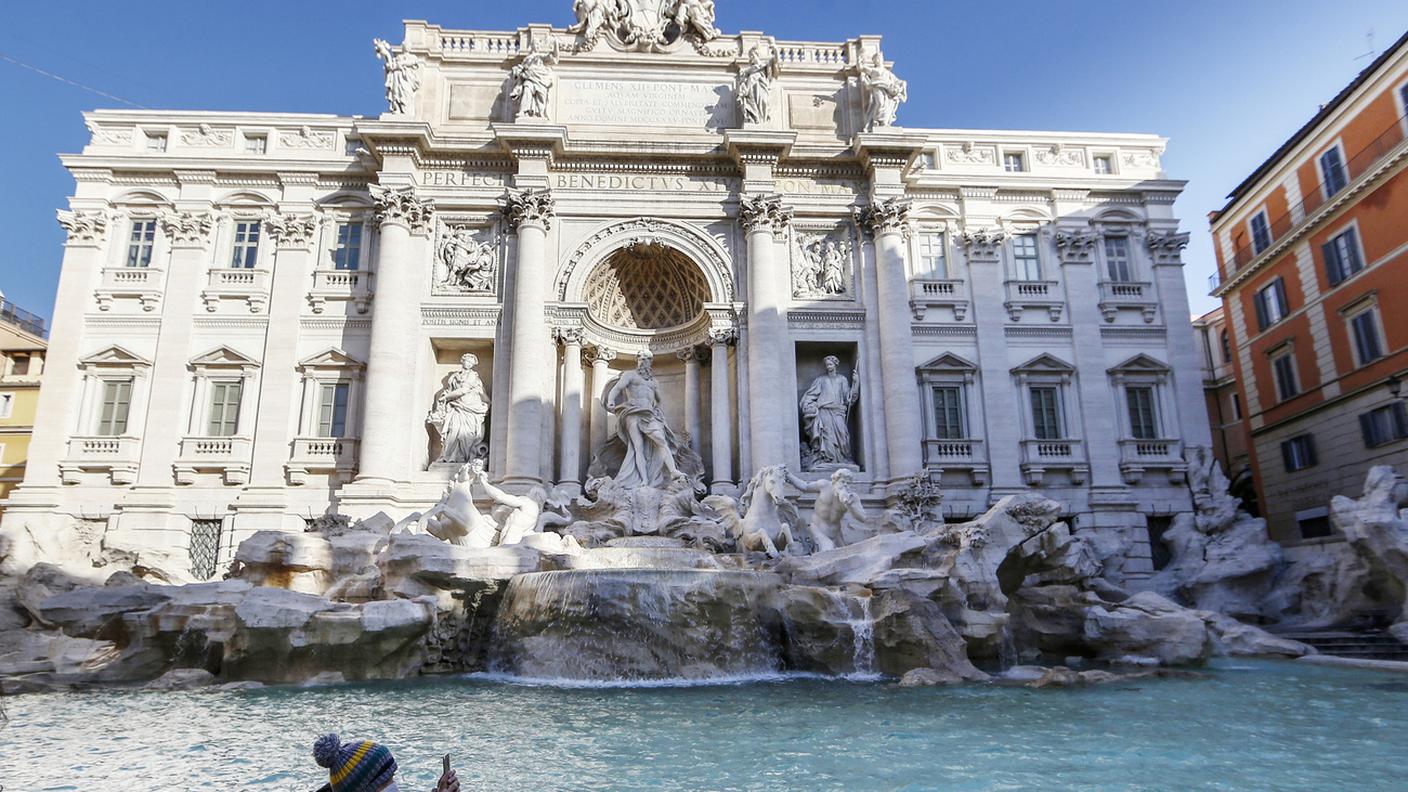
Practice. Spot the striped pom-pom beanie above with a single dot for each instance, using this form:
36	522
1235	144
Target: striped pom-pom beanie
360	766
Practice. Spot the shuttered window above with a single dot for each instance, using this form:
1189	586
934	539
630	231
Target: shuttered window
1341	256
117	400
1298	453
332	410
1270	303
1333	172
1384	425
1261	232
224	409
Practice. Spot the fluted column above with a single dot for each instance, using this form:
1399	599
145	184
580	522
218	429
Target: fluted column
600	358
763	217
720	420
888	220
569	463
57	414
692	397
529	213
389	391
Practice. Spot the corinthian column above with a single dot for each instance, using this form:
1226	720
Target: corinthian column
529	214
720	420
763	217
400	213
692	396
569	463
600	358
888	221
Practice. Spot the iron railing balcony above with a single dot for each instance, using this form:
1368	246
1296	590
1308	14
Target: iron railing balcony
12	314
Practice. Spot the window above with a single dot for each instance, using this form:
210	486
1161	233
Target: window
1046	412
1261	232
1283	369
1342	257
205	548
156	141
348	252
1236	407
1117	259
1314	523
1226	347
1383	425
1159	554
139	244
7	405
19	365
332	409
1332	171
1026	262
948	413
256	144
1104	164
932	262
117	399
224	409
1014	162
1298	453
246	249
1143	422
1271	304
1364	332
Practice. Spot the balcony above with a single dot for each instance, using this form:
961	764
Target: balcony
330	455
228	456
930	293
1132	295
250	285
1039	456
136	283
1137	456
965	454
338	285
1041	295
16	316
116	455
1214	280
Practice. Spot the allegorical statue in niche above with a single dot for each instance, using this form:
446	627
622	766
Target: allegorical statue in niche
884	92
835	501
755	86
402	76
649	457
459	413
826	409
469	263
696	17
533	80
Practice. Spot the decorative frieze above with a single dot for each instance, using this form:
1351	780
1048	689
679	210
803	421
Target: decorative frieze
984	244
84	228
306	138
534	206
402	205
293	231
187	228
1166	247
821	265
206	136
467	259
889	216
969	154
763	213
1057	156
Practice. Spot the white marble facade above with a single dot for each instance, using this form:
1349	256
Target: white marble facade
1008	309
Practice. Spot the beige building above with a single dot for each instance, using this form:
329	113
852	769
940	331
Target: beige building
22	347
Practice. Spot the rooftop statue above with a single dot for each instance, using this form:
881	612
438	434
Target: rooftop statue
755	86
645	24
533	80
402	76
884	93
696	17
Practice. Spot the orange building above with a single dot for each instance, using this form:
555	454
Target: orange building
1312	255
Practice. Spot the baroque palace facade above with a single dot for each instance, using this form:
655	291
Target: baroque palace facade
262	316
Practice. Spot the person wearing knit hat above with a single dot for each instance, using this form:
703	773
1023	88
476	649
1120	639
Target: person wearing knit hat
364	766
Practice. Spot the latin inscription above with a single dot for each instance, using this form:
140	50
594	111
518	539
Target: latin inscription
639	183
638	103
449	178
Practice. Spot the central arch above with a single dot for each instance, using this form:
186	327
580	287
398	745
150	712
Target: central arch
646	287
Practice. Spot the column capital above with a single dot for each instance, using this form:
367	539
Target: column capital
401	206
1076	245
84	228
600	354
1166	247
187	229
292	231
568	336
983	244
885	217
723	336
691	353
530	206
763	213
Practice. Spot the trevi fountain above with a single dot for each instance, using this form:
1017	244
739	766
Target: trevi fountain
650	624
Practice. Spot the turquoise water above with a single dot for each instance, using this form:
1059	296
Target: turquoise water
1252	725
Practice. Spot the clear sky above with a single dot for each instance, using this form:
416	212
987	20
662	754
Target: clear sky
1225	81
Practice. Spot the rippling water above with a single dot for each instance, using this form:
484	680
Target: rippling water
1253	725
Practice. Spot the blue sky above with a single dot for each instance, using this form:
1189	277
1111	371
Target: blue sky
1225	81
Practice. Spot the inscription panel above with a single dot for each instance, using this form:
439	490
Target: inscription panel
641	103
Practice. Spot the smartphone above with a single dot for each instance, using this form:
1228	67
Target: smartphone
445	765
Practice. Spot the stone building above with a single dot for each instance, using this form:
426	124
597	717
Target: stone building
21	365
1311	257
269	314
1224	403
